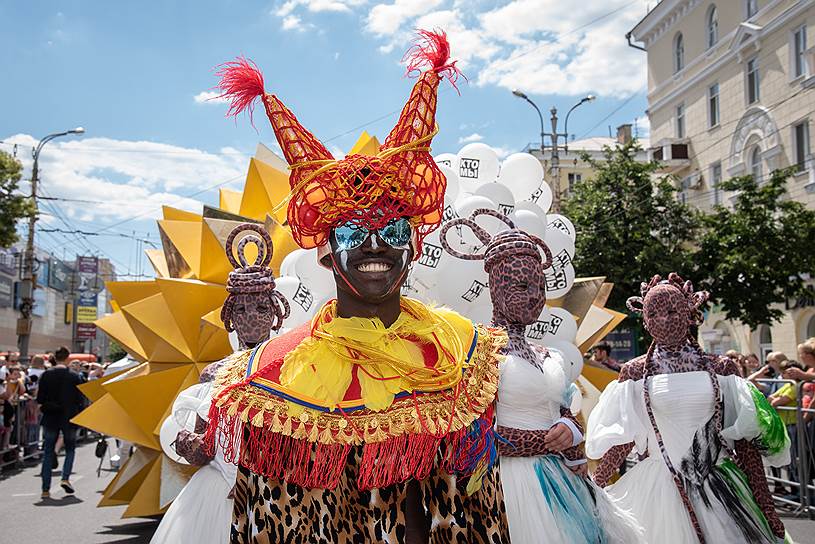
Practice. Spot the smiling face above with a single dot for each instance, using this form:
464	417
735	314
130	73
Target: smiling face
667	315
371	272
518	289
251	317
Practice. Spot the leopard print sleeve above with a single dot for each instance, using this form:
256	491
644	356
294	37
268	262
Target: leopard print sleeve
189	445
615	457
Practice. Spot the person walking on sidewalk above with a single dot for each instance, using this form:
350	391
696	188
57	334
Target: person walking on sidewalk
60	400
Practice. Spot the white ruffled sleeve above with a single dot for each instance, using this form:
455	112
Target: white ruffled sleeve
618	418
191	402
749	416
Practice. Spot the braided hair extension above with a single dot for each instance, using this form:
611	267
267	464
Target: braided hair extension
255	278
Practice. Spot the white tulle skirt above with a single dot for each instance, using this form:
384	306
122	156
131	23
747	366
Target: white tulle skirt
547	502
202	512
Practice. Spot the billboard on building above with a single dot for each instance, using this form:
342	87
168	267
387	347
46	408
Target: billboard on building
6	292
59	275
8	262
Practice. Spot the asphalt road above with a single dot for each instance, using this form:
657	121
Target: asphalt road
76	520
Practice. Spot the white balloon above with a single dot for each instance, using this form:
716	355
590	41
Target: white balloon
561	246
447	159
529	222
563	224
301	300
499	194
542	197
477	164
572	358
533	207
461	237
536	331
559	281
451	193
522	173
467	205
319	280
562	326
429	267
463	285
287	264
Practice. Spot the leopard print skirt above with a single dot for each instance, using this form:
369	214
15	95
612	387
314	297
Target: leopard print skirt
272	511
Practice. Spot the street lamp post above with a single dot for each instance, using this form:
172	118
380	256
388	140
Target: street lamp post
29	282
555	138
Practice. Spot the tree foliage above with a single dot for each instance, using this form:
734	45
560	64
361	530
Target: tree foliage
115	350
13	206
630	225
751	256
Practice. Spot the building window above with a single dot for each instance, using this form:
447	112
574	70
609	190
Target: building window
798	51
680	121
679	53
755	164
715	181
573	180
713	105
800	140
752	75
751	8
811	327
712	26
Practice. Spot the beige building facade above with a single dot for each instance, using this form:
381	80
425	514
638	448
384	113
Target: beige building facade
731	91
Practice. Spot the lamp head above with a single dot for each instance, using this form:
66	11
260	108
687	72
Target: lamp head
77	130
590	98
519	93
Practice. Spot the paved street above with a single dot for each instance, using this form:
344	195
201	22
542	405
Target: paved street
76	520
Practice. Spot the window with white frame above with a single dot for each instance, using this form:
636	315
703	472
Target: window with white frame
752	81
679	52
715	181
800	142
713	105
798	48
712	26
751	8
755	164
573	180
680	121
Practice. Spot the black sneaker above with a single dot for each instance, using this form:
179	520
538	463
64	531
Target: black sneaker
66	485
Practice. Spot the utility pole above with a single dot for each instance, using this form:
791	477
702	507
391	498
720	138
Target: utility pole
554	136
29	278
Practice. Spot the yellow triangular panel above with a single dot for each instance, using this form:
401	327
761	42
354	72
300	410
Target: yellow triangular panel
191	379
158	262
108	417
146	397
229	200
174	214
366	145
215	267
146	501
185	237
126	292
265	188
187	300
117	326
131	476
153	313
282	241
94	390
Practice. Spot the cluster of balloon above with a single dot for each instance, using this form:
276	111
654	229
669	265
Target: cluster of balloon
477	178
305	284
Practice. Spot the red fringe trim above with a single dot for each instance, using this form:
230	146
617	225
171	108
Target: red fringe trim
432	47
241	83
315	465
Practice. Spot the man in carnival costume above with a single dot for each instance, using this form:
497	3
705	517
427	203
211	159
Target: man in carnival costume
373	423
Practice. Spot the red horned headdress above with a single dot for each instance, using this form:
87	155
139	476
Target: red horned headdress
402	180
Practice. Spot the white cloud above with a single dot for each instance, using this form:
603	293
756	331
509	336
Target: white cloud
292	22
291	11
643	126
474	137
540	46
209	97
125	178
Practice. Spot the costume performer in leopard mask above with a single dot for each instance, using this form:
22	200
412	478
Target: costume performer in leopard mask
202	512
372	423
703	427
541	455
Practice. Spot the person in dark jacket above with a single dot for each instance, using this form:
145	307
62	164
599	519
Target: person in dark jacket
60	400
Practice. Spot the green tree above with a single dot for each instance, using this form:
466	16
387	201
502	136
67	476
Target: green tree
751	256
13	206
115	350
630	224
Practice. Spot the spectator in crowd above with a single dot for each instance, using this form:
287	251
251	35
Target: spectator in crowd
60	400
13	391
770	371
52	361
786	398
601	356
806	354
751	364
37	367
737	358
3	367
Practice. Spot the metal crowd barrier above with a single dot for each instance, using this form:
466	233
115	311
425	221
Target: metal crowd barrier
23	439
802	455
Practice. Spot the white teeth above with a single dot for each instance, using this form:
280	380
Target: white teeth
373	267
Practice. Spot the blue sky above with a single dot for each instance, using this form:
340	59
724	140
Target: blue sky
129	73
